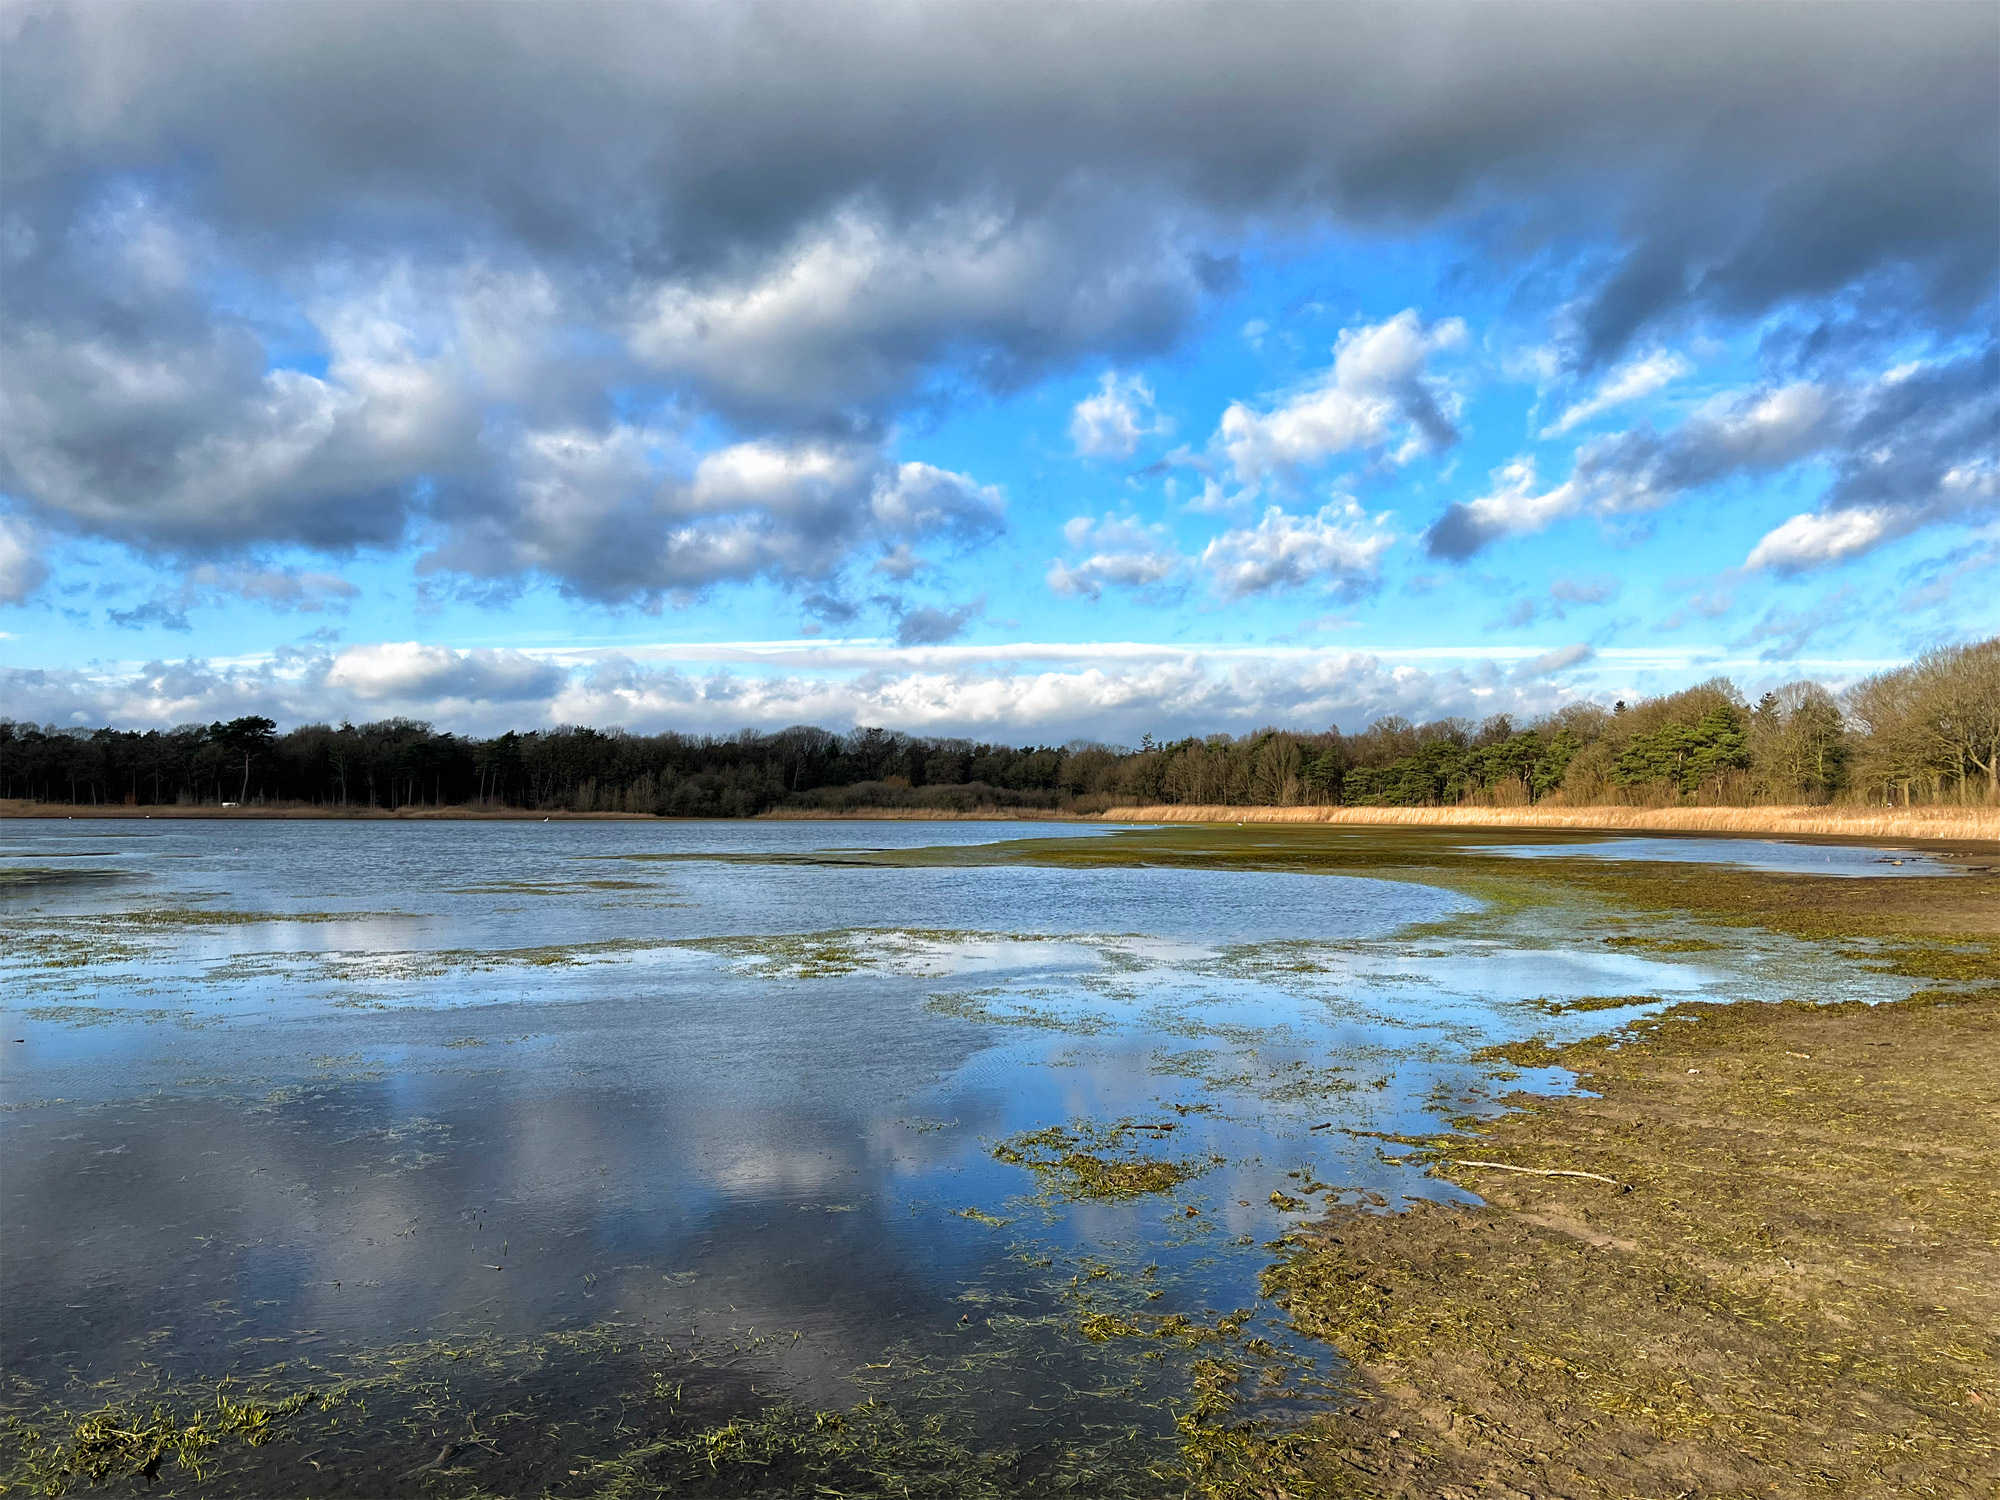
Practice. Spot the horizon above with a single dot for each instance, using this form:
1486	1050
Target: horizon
949	371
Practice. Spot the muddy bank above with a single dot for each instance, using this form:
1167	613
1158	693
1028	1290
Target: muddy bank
1789	1285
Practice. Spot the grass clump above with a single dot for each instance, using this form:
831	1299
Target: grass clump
1092	1161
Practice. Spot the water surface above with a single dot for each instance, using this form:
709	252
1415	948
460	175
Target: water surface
279	1090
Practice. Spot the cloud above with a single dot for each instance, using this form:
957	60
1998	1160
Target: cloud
852	314
22	570
1119	552
1784	634
1339	548
410	672
1917	450
498	281
931	626
1374	393
1584	590
1822	538
1907	447
1549	663
210	584
1641	377
1111	422
1111	696
1515	504
605	515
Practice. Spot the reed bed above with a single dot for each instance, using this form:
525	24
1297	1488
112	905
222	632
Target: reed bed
1968	824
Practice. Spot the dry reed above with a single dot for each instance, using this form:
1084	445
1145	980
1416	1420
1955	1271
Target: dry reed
1974	824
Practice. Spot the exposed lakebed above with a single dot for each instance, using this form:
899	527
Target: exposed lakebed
747	1113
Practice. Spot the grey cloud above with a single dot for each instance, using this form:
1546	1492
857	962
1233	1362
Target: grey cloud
1782	634
22	570
1583	590
809	222
1549	663
1908	446
929	625
160	612
593	511
208	583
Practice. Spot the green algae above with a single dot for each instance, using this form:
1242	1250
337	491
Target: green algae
1093	1161
995	1007
133	1440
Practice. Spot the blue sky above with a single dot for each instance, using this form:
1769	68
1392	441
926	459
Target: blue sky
1527	384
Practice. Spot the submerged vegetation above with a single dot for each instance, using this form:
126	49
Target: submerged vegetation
1928	732
1092	1160
123	1440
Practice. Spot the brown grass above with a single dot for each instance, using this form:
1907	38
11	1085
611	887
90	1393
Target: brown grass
1976	824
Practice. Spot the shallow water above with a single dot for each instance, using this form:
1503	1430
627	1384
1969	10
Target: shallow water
277	1089
1747	854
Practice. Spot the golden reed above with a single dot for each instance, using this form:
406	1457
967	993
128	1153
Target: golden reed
1978	824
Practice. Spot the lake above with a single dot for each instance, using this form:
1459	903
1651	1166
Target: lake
572	1145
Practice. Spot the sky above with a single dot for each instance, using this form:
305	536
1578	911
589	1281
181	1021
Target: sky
1013	371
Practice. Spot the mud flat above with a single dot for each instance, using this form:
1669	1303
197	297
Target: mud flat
1789	1285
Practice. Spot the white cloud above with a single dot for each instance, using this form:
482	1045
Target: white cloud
411	672
1110	423
1819	539
604	513
1374	394
1638	470
1340	548
1517	503
1110	692
1640	377
919	500
1119	552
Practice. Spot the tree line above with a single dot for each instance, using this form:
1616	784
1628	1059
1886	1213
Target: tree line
1926	732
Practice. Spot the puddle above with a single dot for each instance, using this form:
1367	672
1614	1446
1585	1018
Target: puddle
1747	854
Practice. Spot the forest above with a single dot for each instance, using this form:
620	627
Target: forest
1928	732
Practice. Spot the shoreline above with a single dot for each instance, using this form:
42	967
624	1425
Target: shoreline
1728	1263
1958	825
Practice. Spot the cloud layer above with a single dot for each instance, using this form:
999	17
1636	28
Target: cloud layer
633	298
1120	695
